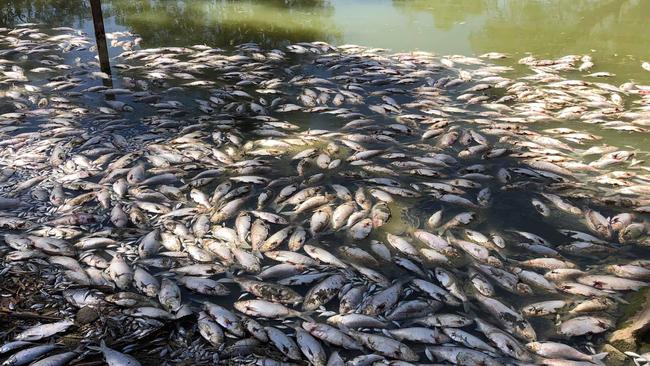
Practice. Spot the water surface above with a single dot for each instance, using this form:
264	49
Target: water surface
613	31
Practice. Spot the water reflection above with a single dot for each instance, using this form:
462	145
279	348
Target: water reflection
615	29
446	13
52	12
226	23
555	27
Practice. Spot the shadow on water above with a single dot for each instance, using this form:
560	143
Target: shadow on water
181	23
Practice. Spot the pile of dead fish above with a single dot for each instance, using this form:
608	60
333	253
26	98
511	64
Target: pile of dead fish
315	204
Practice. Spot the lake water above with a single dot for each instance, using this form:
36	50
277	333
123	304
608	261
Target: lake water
613	33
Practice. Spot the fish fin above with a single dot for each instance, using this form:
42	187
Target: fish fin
404	280
466	306
344	328
619	299
101	348
409	322
279	207
428	353
348	272
599	357
290	213
306	316
293	324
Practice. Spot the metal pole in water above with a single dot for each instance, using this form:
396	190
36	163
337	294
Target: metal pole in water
100	39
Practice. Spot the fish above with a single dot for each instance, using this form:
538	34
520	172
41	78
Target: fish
413	214
385	346
582	325
563	351
115	358
265	309
43	331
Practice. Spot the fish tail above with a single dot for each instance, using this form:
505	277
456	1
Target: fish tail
164	273
599	357
291	214
279	206
404	280
344	328
306	316
226	280
102	346
429	354
466	306
619	299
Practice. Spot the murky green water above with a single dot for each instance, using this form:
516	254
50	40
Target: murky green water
614	32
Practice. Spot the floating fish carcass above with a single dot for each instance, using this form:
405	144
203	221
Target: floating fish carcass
424	222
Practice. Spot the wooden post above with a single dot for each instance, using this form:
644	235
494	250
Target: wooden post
100	41
100	36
